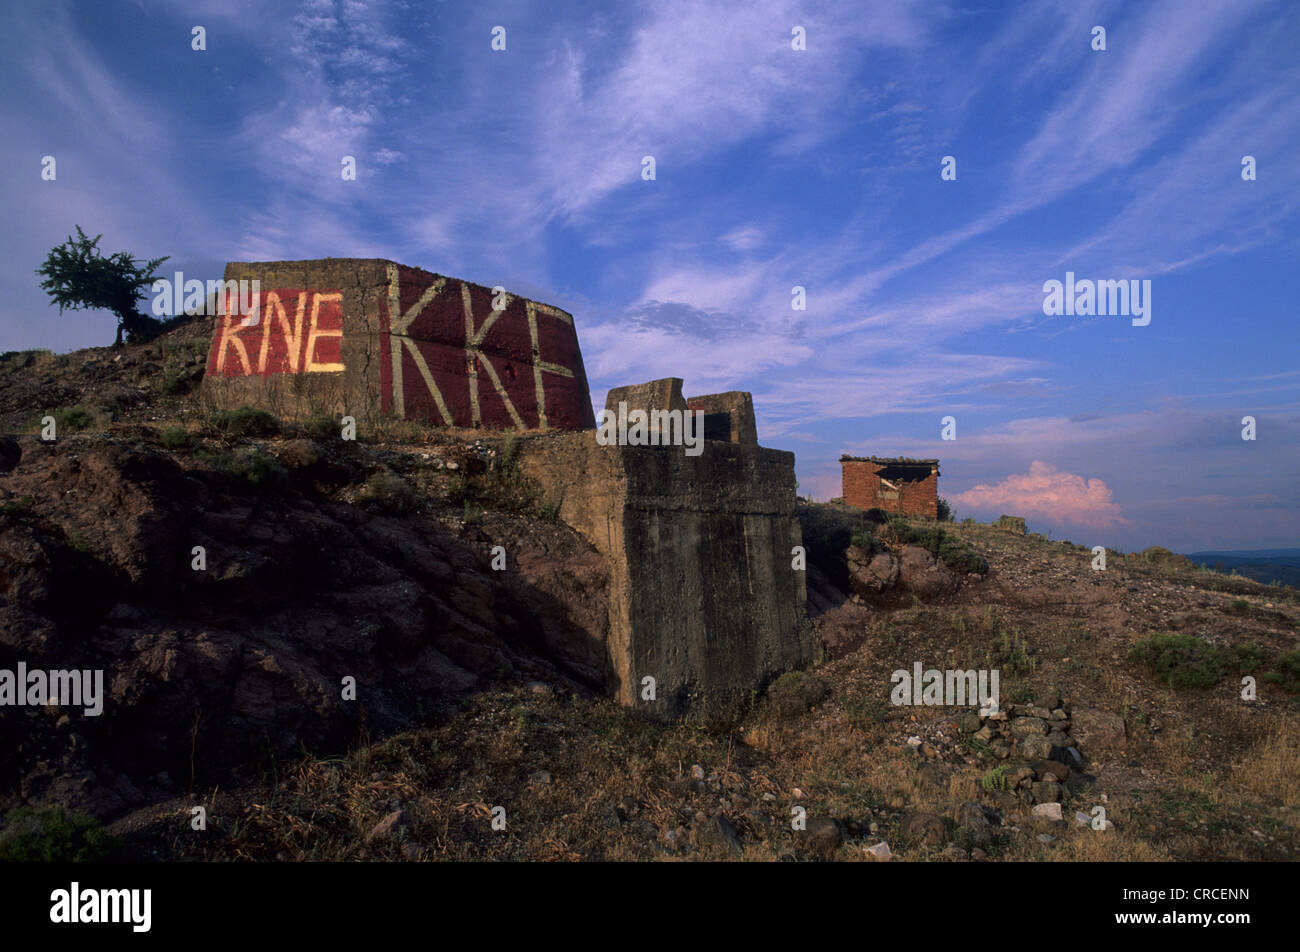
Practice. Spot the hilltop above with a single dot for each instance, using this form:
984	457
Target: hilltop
325	555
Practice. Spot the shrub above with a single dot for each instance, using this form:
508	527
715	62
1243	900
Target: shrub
795	692
176	438
71	419
1186	661
1286	671
321	426
945	511
388	492
247	421
51	835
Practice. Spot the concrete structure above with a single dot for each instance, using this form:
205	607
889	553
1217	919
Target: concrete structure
366	336
704	597
727	416
908	487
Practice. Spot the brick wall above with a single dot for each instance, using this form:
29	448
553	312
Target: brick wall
862	488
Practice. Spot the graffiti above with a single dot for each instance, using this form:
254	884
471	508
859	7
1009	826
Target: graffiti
450	356
270	342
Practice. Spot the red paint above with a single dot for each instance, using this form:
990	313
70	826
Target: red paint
297	331
454	353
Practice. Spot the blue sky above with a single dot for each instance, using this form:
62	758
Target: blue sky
775	167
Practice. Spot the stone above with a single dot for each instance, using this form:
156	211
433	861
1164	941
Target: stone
969	723
540	778
923	575
1048	811
822	835
1027	726
974	820
924	829
880	853
1047	791
1051	770
1035	747
877	575
1097	731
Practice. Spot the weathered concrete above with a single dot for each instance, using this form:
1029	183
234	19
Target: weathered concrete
365	336
727	416
703	595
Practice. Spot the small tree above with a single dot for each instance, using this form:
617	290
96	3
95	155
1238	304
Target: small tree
945	511
78	276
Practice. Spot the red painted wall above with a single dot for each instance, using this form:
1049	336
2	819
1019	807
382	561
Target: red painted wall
296	331
457	339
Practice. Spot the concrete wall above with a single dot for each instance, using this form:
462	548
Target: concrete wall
703	597
364	336
862	488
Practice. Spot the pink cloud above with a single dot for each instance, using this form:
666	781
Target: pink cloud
1049	494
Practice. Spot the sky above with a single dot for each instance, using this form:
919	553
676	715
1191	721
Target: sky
774	168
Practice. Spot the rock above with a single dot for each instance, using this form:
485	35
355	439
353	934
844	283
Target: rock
1016	776
1046	839
1047	791
873	577
822	835
1028	726
540	778
412	851
1097	731
978	855
880	853
920	573
1051	770
954	854
1048	698
974	820
395	822
718	833
985	733
1082	818
969	723
1035	747
1048	811
924	829
697	772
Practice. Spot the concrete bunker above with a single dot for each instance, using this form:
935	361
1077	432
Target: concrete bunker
704	598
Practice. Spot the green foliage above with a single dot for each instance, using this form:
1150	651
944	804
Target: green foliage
321	426
471	514
1186	661
949	549
1286	671
246	421
1010	654
176	438
51	835
78	276
250	468
996	778
945	510
794	692
71	419
1239	606
865	712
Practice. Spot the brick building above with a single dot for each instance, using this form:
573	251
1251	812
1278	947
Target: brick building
906	486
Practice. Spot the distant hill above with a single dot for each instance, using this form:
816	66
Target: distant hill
1262	565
